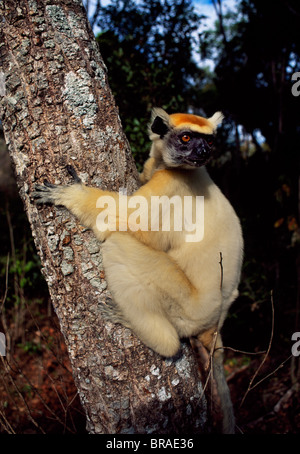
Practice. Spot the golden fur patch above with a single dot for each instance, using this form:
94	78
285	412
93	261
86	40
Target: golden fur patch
190	121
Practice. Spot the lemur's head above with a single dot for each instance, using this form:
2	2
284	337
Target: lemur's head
183	140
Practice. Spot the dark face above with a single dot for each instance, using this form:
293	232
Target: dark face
190	148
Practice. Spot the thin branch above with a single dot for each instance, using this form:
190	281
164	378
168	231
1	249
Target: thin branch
276	408
222	271
240	351
293	11
6	425
21	396
217	4
272	373
215	335
210	376
46	341
285	398
56	417
3	314
6	284
251	386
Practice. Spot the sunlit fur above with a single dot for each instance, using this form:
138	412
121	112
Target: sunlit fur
164	287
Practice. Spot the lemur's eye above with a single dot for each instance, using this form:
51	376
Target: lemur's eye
185	138
210	141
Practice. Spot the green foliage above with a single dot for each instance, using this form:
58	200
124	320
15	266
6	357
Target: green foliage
147	48
255	282
21	281
254	63
31	347
25	272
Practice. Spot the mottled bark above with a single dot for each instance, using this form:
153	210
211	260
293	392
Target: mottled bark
57	109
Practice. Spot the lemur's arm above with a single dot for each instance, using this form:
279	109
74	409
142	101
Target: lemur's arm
148	170
87	203
79	199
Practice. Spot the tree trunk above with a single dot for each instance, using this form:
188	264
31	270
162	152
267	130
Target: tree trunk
57	109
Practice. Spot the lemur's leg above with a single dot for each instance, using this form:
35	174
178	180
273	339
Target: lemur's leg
143	291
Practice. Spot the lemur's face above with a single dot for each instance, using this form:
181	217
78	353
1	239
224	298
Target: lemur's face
186	147
187	139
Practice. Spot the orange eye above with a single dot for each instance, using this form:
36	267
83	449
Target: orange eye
185	138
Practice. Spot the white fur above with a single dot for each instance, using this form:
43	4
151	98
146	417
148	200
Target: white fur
216	119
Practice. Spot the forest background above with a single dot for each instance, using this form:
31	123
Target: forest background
168	54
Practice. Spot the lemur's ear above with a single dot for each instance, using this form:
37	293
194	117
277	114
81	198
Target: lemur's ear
159	122
159	127
216	119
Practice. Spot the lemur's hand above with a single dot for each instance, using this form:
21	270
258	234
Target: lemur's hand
50	193
72	172
45	193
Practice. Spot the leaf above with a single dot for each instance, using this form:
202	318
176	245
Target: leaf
278	223
292	224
